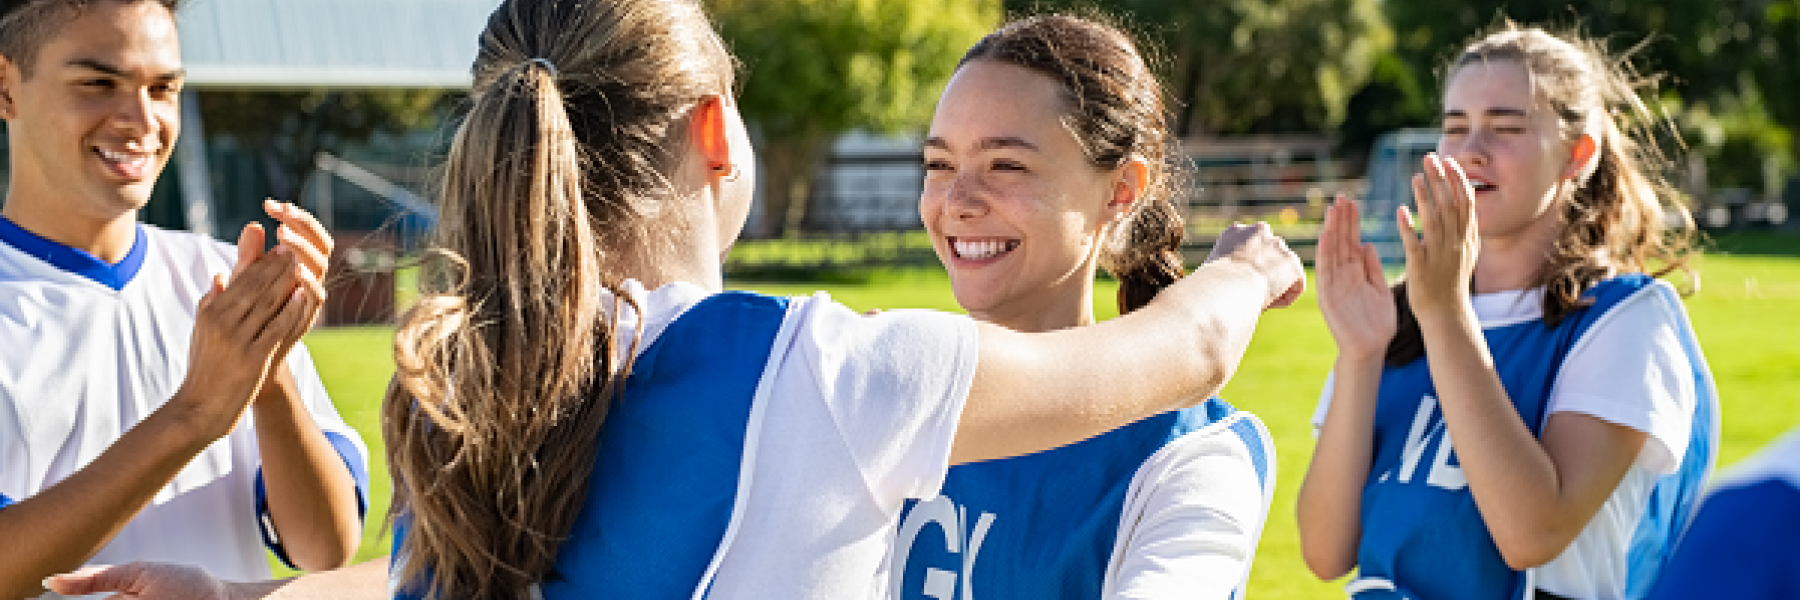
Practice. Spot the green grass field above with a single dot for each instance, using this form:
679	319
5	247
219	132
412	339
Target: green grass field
1747	314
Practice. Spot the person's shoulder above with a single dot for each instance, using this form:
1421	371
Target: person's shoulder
1634	291
1635	308
837	322
1215	430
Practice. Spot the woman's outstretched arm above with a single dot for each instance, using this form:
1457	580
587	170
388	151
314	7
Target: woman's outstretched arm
1036	391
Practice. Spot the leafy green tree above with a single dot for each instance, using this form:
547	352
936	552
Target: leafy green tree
816	68
1777	35
1720	57
1695	39
1253	66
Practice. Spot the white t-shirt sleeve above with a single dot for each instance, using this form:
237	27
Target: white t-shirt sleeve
894	383
1192	520
1632	369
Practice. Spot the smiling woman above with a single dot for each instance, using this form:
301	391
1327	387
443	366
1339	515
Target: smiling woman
1048	158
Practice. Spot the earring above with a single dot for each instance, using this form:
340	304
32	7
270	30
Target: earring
729	171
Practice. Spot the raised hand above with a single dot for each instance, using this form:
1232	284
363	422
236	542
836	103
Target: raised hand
300	233
1257	247
240	333
1440	260
1353	294
303	236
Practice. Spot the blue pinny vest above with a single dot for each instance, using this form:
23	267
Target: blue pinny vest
660	502
1423	537
1040	526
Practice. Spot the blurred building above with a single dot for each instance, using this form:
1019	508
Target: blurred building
214	187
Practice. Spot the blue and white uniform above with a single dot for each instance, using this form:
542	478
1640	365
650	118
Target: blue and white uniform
763	448
1168	507
1630	358
92	348
1745	541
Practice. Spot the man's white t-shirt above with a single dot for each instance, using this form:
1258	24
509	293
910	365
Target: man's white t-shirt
83	362
854	415
1630	369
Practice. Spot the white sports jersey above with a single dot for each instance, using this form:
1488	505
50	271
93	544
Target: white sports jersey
91	349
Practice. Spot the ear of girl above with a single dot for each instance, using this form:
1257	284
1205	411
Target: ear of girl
1582	157
712	136
1134	179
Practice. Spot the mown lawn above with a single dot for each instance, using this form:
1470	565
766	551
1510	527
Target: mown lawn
1747	314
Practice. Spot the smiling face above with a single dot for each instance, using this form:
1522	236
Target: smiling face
1013	205
95	122
1510	144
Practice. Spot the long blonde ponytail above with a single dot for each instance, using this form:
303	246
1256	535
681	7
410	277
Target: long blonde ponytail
506	367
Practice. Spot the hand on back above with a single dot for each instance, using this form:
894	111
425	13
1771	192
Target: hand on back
142	581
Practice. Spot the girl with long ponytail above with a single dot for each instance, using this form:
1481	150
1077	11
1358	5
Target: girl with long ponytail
1049	157
1529	415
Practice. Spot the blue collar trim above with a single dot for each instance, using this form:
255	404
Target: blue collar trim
76	261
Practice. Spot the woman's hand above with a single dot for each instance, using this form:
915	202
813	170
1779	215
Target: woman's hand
141	581
1353	294
1257	247
1440	261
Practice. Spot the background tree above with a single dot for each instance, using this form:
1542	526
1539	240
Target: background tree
817	68
1721	58
1253	66
1776	34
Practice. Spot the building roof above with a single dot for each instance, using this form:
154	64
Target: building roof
331	43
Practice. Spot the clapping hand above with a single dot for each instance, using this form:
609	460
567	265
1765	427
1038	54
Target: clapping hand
1440	260
300	234
1353	294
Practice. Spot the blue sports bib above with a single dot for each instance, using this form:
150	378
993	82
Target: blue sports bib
1039	526
1423	536
665	477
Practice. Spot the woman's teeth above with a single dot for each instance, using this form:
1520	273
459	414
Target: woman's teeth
124	157
981	250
